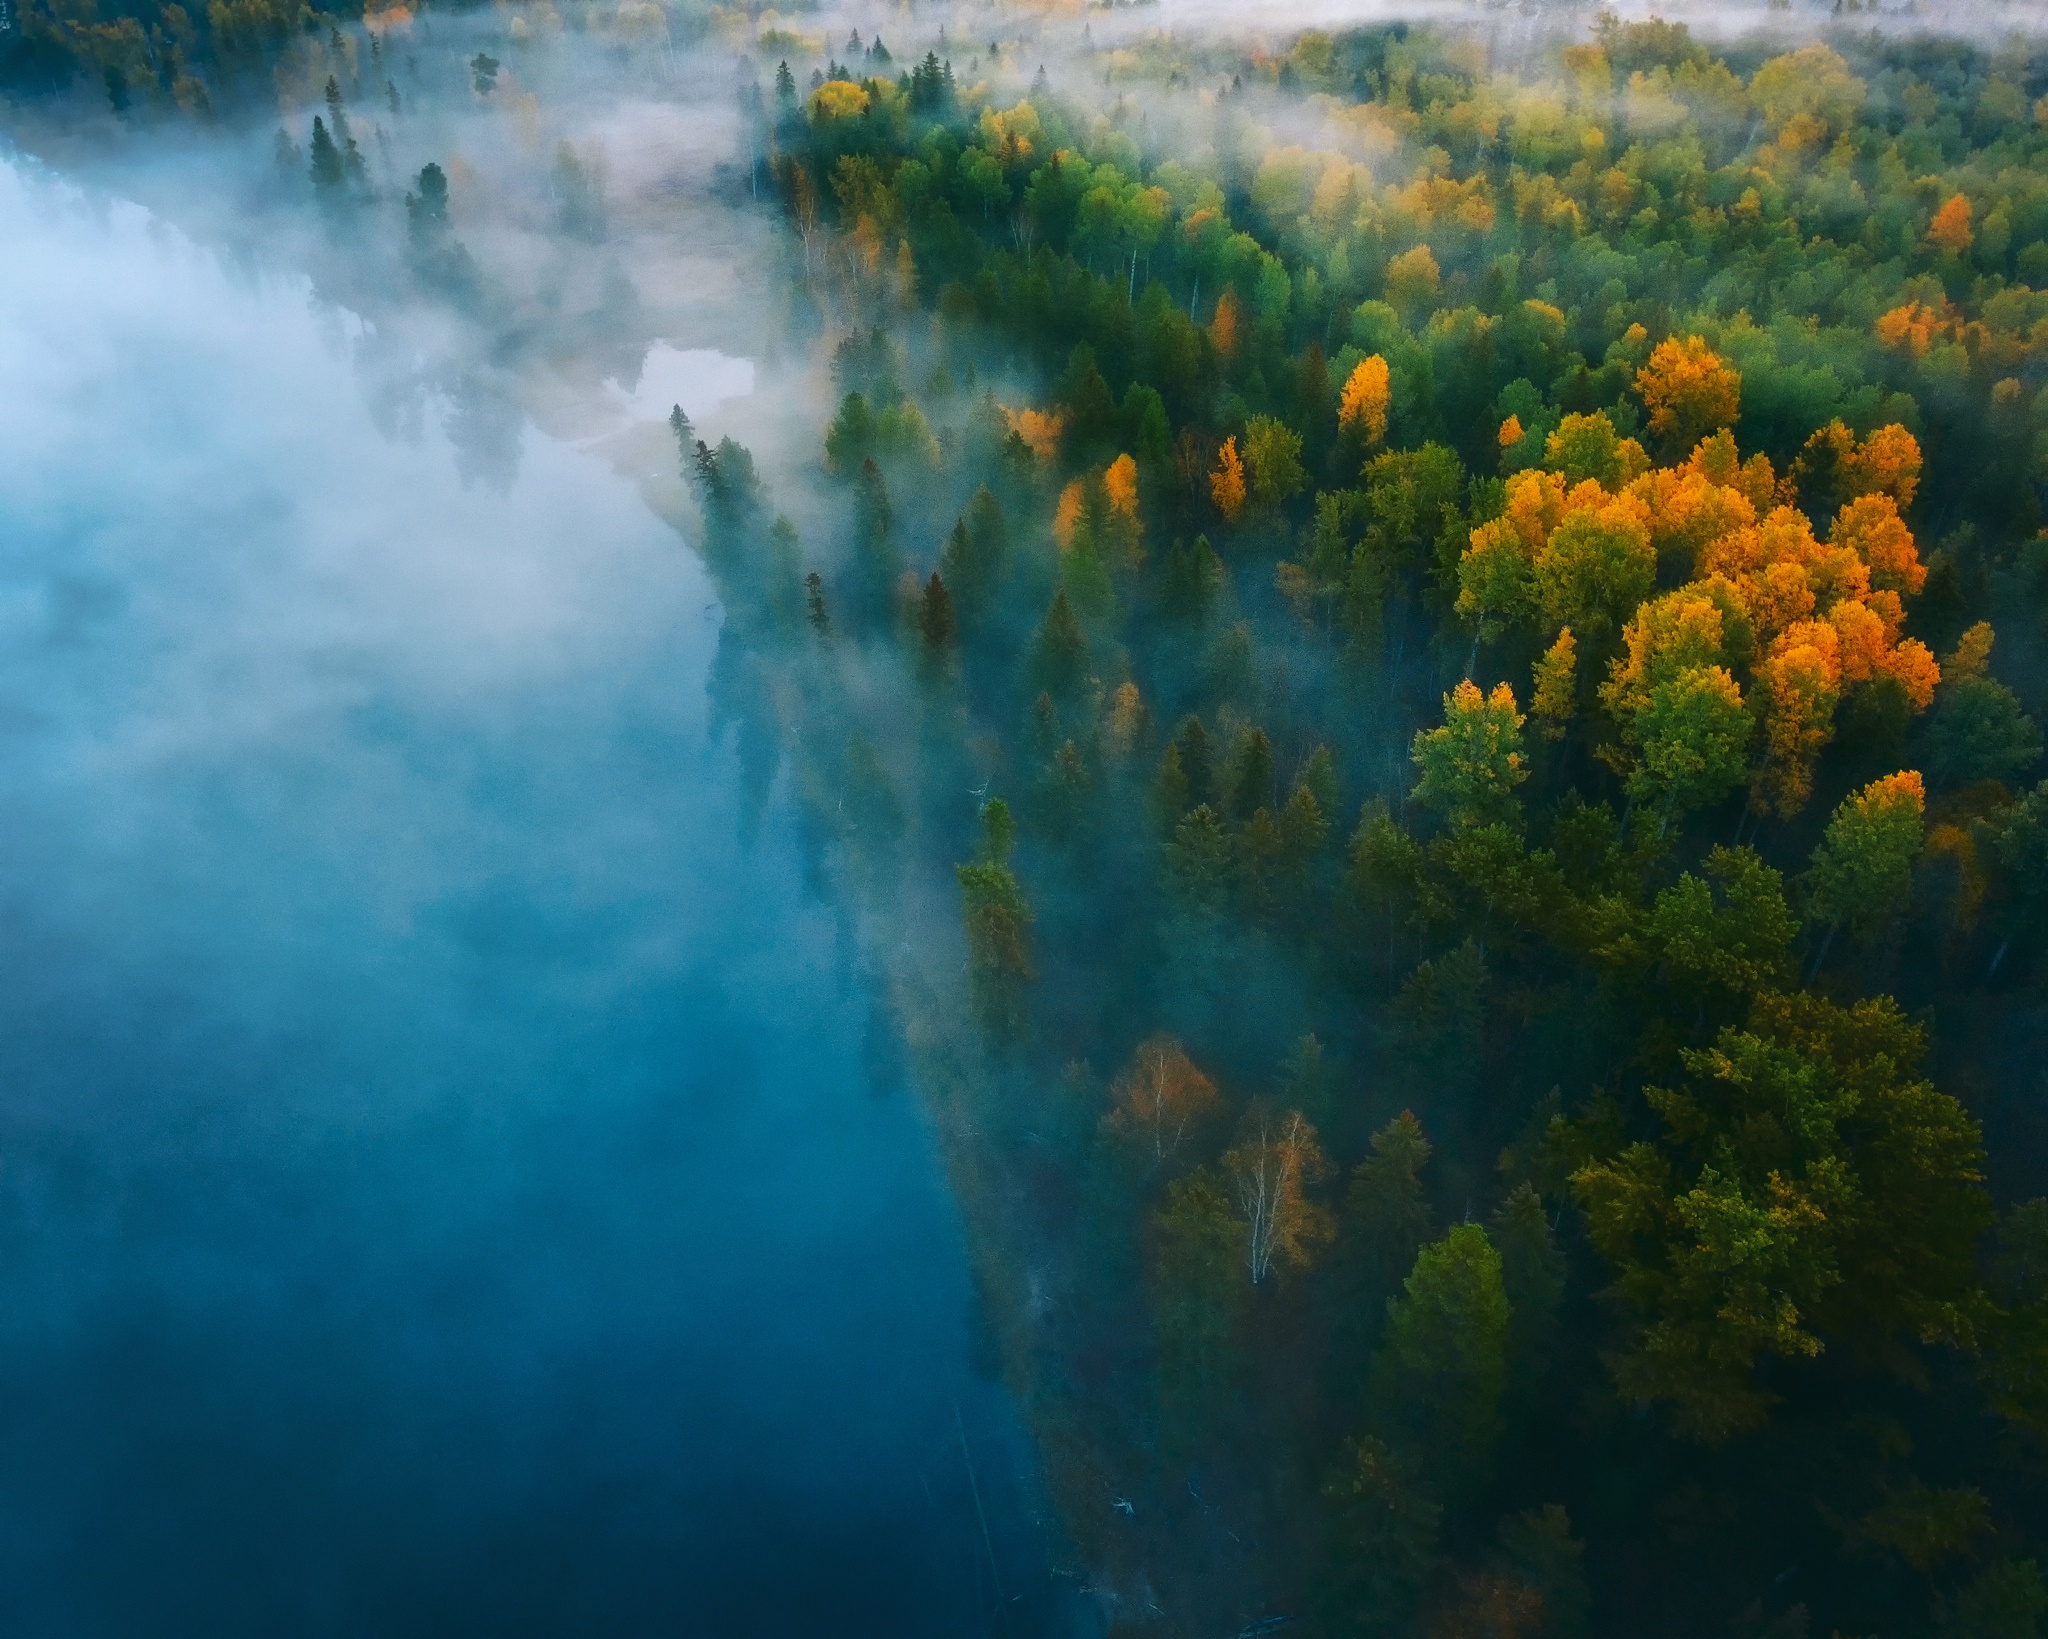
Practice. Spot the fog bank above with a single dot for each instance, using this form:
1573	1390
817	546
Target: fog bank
442	1185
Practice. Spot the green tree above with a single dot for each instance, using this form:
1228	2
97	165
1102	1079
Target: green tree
1442	1364
1532	1272
1386	1215
1805	1182
1695	733
325	164
1249	780
1382	1545
1471	766
1198	861
1597	565
1198	1251
1978	731
1273	450
998	919
1059	657
1863	869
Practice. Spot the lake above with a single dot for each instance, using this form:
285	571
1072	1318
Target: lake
449	1181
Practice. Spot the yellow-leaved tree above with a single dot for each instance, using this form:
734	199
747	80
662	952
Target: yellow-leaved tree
1363	404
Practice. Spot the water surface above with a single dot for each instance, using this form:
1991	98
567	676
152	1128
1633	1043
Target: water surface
443	1185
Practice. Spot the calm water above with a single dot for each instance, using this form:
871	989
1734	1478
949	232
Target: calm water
442	1187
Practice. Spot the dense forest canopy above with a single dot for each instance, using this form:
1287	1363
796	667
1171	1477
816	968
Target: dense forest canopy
1419	649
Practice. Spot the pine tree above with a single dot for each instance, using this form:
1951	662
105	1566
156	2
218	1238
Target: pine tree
325	163
935	619
1192	741
1059	658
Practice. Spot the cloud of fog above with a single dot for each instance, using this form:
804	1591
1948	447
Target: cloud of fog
438	1187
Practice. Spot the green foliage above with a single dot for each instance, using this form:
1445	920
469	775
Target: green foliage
1442	1366
1978	731
1472	764
1803	1180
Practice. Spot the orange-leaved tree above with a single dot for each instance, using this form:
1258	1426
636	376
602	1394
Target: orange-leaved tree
1226	482
1688	391
1363	405
1161	1098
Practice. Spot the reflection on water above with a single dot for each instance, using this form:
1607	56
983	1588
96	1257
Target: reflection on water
439	1187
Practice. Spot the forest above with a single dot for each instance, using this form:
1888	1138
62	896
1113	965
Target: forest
1417	649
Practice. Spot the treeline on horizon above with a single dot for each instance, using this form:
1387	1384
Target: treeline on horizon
1423	660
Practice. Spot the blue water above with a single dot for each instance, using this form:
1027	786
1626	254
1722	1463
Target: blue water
443	1185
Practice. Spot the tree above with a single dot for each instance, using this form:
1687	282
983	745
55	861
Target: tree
1532	1272
678	422
1226	483
877	561
1978	731
998	922
1060	654
1198	1243
1951	230
1863	869
1587	447
1442	1365
1729	928
1192	741
1274	450
1274	1164
1800	681
1471	766
1556	697
1695	735
1382	1552
1161	1098
935	620
1249	780
1362	407
1805	1183
325	163
1688	391
1198	861
1597	565
1387	1218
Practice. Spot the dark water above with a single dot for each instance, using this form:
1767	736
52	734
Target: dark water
441	1190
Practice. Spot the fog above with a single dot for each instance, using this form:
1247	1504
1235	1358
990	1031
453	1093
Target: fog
450	1183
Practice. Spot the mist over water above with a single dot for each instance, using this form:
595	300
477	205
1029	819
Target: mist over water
442	1185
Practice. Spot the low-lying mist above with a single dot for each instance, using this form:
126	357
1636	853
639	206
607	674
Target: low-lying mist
447	1186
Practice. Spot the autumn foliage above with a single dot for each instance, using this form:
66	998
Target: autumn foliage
1688	391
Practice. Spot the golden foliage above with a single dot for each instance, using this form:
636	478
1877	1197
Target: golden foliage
1557	687
1226	483
1510	431
1363	403
1870	526
838	100
1972	656
1916	326
1067	515
1688	390
1224	326
1950	230
1039	429
1413	277
1120	484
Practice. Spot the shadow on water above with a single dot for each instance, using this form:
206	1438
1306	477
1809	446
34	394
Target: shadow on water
441	1185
